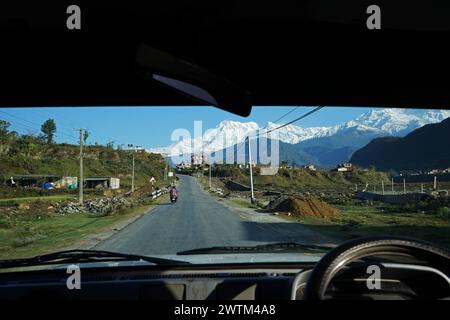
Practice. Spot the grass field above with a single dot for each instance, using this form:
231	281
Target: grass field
33	234
365	220
244	203
426	221
17	201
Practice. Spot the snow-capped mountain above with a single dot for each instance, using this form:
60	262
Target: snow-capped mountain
226	134
294	134
397	121
374	123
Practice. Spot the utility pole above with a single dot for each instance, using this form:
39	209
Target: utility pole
392	185
210	175
382	187
132	177
252	199
81	182
435	183
365	188
165	156
165	173
404	186
133	149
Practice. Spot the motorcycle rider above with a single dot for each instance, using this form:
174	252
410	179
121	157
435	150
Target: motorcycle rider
173	193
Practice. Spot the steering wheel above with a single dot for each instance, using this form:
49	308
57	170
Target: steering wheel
352	250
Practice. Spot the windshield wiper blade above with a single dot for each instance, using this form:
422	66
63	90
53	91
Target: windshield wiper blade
83	256
281	247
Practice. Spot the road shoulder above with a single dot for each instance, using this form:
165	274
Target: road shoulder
293	230
92	241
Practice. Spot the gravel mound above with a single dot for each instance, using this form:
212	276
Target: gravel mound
105	206
303	207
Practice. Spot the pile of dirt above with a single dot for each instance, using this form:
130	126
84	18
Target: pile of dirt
303	207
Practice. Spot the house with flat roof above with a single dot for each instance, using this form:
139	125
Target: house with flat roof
101	183
343	167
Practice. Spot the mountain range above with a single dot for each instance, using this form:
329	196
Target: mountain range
323	146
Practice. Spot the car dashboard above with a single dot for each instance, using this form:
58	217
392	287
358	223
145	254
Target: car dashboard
224	282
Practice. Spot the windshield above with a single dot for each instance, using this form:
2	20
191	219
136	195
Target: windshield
163	181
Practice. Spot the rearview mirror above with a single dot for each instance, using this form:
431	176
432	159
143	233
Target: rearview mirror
193	81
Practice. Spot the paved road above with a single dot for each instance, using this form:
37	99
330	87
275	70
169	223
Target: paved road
197	220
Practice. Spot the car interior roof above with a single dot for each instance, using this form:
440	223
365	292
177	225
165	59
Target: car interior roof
294	53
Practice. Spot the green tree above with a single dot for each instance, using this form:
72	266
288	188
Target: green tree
4	125
85	136
48	128
26	144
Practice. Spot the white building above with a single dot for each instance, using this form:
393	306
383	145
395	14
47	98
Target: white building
310	167
183	165
198	159
343	167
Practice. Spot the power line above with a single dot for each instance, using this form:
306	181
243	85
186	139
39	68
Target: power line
39	113
21	125
295	120
71	125
68	124
11	115
283	116
272	130
64	124
284	125
47	116
36	124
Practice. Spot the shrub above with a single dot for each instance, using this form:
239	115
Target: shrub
444	212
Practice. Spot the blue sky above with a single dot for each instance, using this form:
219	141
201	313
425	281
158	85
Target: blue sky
152	126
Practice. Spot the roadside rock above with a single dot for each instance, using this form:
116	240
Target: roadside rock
23	206
104	206
109	205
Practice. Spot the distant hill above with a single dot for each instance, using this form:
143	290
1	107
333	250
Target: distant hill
322	156
423	148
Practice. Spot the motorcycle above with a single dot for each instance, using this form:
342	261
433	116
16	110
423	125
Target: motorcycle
173	198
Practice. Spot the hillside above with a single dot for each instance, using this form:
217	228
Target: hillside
29	155
300	178
424	148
